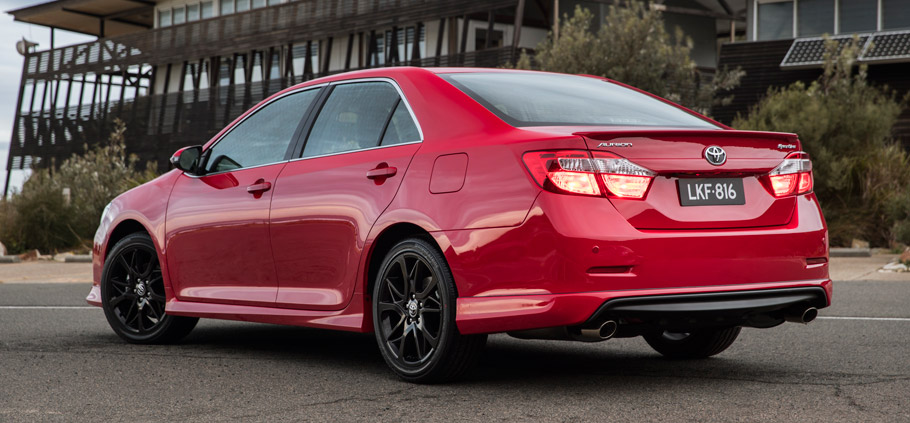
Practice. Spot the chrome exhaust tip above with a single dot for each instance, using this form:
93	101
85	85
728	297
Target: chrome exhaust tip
605	331
805	317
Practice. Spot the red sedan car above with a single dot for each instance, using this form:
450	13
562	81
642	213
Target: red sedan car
436	206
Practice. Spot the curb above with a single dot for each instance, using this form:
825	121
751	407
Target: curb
9	259
80	258
850	252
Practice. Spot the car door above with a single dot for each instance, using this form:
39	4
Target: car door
325	202
218	247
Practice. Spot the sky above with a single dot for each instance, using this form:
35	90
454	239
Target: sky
11	71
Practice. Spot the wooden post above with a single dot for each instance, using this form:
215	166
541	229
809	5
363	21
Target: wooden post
555	19
347	59
516	33
440	34
490	22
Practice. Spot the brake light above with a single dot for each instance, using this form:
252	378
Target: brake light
577	172
575	182
793	176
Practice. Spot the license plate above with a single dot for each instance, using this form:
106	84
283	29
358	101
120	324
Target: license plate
711	192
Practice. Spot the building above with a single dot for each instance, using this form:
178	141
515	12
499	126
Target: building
177	71
783	44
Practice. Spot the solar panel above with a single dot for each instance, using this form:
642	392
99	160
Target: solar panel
891	46
878	47
810	52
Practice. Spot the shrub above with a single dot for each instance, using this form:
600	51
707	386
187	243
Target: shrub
41	217
632	47
862	177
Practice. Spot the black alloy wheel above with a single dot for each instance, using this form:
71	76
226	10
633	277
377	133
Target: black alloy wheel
700	343
414	316
133	297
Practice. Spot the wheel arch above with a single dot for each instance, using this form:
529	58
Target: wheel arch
391	235
121	230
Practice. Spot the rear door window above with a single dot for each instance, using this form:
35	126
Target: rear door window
401	128
354	118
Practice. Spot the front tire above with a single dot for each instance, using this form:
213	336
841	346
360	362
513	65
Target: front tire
132	294
698	344
414	316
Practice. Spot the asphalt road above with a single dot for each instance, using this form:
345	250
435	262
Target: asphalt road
63	363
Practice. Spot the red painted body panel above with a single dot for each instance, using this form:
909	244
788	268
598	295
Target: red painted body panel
218	238
521	257
322	210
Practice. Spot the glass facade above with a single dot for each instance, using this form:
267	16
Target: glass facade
164	18
815	17
208	9
895	14
857	16
192	12
775	20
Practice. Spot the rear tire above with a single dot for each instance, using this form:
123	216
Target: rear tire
133	297
414	316
698	344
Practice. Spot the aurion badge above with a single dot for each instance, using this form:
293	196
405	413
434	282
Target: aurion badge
715	155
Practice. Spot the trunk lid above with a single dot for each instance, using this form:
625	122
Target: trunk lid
680	154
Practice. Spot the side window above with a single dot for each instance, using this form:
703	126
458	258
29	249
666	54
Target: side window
352	118
262	138
401	128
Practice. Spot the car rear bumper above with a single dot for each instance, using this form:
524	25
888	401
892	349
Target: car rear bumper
758	305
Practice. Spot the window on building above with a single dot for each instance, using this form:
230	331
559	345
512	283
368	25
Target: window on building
274	2
208	9
192	12
815	17
480	39
243	5
164	18
227	7
258	3
378	56
775	20
856	16
179	15
224	72
895	14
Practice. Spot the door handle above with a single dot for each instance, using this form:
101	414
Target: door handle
259	187
382	172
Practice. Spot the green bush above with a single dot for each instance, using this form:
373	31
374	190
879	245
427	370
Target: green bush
632	47
862	177
41	217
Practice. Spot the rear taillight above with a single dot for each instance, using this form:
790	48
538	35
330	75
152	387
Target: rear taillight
792	176
577	172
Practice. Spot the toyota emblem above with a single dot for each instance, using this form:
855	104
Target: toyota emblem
715	155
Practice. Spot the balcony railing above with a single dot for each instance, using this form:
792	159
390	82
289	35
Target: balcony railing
251	30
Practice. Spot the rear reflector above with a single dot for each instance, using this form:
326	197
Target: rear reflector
793	176
575	172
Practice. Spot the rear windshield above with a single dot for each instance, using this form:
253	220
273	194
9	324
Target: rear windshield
543	99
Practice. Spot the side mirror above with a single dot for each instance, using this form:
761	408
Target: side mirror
187	158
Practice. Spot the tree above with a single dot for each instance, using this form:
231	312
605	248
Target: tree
862	177
632	47
43	217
